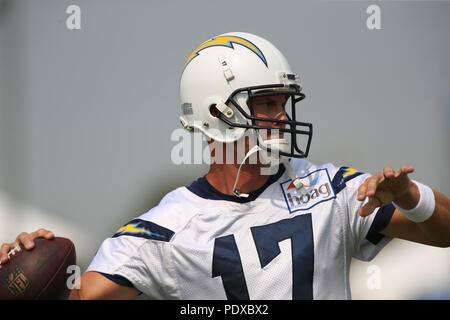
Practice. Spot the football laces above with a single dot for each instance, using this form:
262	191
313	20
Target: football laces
13	251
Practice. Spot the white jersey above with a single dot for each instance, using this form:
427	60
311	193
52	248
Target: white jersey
276	244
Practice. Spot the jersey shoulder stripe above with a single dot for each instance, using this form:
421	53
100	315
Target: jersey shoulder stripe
144	229
342	176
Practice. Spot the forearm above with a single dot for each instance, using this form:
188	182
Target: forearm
74	295
437	227
94	286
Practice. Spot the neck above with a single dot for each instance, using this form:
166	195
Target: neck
222	177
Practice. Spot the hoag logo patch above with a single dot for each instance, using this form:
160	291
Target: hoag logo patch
318	184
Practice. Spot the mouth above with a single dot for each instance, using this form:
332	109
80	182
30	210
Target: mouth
275	136
271	134
275	144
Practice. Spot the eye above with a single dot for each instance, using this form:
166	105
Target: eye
262	104
271	104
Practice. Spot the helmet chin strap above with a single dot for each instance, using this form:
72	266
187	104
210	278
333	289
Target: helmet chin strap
268	158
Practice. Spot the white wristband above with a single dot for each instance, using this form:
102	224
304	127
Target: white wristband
424	208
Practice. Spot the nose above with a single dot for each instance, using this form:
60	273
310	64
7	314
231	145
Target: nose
279	114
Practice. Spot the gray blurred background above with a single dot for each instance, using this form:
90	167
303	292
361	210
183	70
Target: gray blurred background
86	115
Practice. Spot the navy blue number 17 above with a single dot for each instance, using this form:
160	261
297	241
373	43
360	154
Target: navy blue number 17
227	262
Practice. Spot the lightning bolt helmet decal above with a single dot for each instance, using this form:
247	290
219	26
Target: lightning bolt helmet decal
227	41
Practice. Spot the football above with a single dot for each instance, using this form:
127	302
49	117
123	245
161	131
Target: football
39	273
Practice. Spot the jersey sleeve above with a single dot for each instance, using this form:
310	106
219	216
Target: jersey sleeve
364	232
138	255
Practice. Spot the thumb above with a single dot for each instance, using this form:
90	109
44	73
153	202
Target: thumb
370	206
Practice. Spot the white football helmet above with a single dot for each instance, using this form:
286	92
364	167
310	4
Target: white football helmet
221	77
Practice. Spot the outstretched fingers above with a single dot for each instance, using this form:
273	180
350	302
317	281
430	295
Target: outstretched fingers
369	187
383	187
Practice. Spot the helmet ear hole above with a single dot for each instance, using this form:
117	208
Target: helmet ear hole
214	111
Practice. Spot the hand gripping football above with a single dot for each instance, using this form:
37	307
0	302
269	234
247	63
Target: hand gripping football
40	273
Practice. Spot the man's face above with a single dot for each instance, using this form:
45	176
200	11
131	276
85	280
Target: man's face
266	107
270	107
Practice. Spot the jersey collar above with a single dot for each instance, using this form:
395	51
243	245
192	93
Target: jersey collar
202	188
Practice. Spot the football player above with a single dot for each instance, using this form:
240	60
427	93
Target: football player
274	227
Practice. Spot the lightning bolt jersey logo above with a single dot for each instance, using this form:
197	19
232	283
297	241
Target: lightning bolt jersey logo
227	41
348	172
144	229
344	175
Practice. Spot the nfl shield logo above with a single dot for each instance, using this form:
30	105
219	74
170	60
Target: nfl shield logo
16	282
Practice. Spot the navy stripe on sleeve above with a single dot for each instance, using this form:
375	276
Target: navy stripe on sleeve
380	222
118	279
